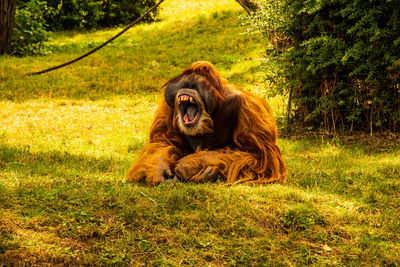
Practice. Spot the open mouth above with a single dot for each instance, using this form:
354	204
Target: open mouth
188	109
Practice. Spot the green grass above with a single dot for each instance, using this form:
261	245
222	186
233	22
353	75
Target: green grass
67	139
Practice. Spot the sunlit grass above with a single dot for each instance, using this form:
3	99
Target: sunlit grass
183	10
76	126
68	137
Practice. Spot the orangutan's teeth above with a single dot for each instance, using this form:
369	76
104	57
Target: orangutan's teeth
186	98
195	118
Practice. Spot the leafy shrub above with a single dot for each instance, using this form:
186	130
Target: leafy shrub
30	31
339	61
90	14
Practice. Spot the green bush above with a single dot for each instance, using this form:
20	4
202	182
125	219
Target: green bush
94	14
339	60
30	31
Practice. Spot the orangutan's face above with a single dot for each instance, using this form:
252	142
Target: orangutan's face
193	103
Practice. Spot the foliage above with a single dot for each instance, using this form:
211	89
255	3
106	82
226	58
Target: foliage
338	58
90	14
30	30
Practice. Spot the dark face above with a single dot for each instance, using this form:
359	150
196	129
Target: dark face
193	102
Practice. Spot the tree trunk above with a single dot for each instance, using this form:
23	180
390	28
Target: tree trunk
249	5
7	14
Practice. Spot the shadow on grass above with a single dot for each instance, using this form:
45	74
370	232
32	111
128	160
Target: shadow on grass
37	182
55	216
44	194
25	163
353	171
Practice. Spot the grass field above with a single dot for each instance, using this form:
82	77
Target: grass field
67	139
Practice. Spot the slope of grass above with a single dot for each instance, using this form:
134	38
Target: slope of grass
67	139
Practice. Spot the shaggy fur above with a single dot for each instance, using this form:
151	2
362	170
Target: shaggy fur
234	138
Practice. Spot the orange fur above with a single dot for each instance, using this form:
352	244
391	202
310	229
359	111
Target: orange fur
252	155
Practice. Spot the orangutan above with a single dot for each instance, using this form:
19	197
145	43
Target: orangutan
207	129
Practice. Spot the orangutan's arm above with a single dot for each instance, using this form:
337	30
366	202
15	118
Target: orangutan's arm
155	164
229	165
157	159
254	155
